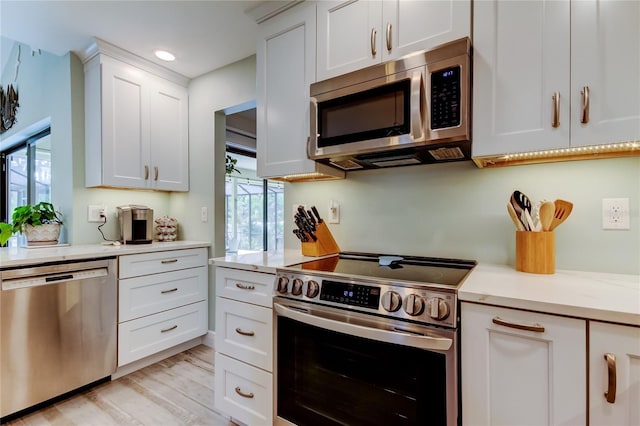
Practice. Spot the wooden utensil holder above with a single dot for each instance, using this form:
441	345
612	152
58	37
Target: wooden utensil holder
323	246
535	252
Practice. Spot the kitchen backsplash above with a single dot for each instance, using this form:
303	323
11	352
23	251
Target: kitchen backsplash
458	210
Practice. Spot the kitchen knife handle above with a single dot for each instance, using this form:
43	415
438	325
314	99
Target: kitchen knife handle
519	326
374	50
610	394
584	116
315	212
556	110
389	44
146	172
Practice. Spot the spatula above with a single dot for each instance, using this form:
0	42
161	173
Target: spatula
561	212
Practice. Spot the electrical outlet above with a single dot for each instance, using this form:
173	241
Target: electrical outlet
615	213
204	214
96	213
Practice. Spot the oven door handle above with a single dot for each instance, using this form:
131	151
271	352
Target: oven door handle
394	337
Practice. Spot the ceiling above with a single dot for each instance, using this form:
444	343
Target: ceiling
204	35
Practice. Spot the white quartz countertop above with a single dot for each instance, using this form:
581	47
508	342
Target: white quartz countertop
262	261
591	295
22	256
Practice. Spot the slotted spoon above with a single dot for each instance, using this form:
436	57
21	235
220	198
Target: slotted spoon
561	213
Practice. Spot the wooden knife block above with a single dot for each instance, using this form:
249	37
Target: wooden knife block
535	252
325	244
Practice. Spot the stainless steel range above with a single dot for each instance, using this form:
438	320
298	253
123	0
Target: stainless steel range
369	339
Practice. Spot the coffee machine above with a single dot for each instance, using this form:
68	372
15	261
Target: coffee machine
136	224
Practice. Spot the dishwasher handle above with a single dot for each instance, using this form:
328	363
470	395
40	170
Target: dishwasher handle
40	280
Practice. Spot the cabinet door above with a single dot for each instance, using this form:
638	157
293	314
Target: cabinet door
521	58
623	343
511	376
285	66
125	125
605	58
169	162
409	26
349	36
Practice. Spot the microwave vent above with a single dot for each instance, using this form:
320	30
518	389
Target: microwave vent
347	164
441	154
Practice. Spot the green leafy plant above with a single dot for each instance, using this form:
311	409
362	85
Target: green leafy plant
231	165
31	214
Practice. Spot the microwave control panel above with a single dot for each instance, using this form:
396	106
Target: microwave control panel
445	98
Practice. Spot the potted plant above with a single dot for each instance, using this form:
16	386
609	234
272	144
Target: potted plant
40	223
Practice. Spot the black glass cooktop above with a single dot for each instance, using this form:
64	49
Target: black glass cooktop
447	272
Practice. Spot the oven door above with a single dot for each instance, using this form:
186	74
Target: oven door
337	367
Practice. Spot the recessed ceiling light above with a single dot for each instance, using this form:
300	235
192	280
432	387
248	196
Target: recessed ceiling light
164	55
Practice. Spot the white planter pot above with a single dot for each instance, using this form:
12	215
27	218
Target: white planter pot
40	235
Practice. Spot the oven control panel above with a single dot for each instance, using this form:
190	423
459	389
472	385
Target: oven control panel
416	303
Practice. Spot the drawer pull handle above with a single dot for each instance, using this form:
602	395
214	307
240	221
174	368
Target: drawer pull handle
245	333
527	327
374	50
389	44
245	287
242	394
169	291
169	329
169	261
610	394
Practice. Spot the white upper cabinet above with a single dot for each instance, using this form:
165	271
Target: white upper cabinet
358	33
531	63
614	374
136	128
285	67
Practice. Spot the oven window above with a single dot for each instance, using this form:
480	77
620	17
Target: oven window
371	114
329	378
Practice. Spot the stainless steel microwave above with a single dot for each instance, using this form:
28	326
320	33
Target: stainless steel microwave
413	110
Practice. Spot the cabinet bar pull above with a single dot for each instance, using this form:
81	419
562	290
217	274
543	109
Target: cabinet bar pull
610	394
169	329
556	110
373	42
242	394
527	327
245	287
155	172
169	291
245	333
584	117
389	45
146	172
169	261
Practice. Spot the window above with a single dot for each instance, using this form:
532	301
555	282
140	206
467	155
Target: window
26	173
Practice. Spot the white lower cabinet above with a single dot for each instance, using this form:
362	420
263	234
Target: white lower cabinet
162	301
522	368
244	345
614	374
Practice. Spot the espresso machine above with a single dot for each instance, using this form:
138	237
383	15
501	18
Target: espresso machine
136	224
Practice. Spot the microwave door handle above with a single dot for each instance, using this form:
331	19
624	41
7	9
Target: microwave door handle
417	127
395	337
313	126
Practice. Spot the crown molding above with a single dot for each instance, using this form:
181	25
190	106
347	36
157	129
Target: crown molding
264	10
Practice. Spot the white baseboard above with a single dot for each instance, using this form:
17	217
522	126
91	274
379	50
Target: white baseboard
209	339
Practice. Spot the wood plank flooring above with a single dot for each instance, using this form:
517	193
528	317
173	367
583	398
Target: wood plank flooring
173	392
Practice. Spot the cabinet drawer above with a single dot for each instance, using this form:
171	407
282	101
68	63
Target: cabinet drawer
245	286
150	294
135	265
243	392
244	331
145	336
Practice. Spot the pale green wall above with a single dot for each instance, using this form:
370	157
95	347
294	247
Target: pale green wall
458	210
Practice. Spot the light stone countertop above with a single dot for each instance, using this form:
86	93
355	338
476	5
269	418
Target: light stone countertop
22	256
592	295
262	261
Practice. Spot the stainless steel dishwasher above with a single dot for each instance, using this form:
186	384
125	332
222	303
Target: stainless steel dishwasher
58	330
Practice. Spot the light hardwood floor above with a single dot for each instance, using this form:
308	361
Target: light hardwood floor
175	391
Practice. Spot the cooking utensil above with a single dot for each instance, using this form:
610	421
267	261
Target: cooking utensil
545	214
522	201
315	212
514	217
562	210
530	224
